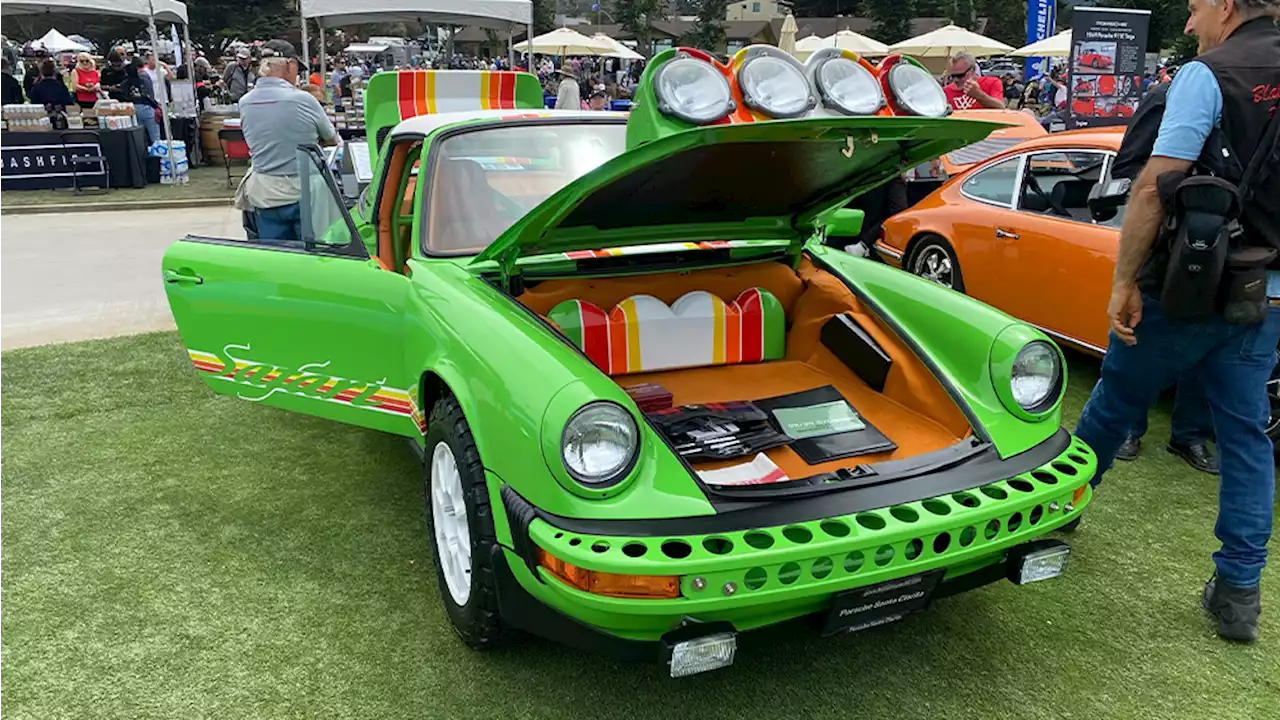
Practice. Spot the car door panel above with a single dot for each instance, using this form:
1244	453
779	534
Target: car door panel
302	326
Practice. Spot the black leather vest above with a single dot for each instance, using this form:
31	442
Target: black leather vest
1247	67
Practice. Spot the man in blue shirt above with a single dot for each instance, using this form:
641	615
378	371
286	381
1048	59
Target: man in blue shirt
1148	350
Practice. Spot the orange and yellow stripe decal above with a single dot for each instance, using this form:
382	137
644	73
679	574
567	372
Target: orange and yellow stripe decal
207	362
416	91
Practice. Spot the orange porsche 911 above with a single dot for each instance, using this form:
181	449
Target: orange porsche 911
1015	232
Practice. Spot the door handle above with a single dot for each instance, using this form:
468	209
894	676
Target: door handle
1001	233
174	276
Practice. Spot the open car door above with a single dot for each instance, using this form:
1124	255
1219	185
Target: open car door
310	325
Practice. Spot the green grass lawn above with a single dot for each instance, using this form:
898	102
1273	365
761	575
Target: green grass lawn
173	554
209	181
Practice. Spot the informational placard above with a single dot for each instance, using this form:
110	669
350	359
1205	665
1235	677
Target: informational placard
1108	57
1041	16
42	166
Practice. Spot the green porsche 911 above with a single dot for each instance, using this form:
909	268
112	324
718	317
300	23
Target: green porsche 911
654	409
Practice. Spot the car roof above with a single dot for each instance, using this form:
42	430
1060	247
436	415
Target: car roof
1101	138
423	125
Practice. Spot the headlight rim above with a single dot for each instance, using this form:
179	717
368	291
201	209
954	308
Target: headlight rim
753	104
623	472
898	68
825	96
668	110
1054	394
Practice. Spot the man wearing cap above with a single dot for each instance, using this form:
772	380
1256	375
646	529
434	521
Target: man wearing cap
568	97
276	117
239	76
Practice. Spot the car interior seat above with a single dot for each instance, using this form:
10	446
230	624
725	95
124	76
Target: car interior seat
464	213
1073	196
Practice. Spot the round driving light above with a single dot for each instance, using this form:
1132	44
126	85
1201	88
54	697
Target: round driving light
692	90
775	87
849	87
915	91
598	443
1036	371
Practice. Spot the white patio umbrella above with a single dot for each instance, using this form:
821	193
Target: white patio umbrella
55	41
944	41
787	39
1057	46
619	50
563	41
861	44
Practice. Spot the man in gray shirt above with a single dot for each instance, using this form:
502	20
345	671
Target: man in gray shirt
276	117
238	76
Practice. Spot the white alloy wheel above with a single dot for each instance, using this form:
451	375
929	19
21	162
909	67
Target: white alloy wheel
449	518
934	264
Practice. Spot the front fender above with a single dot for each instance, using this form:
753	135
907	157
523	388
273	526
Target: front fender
956	335
506	369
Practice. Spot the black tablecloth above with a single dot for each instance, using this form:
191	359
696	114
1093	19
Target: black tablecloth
187	129
37	160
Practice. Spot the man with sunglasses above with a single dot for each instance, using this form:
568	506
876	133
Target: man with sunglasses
967	90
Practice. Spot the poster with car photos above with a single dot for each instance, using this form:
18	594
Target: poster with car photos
1108	58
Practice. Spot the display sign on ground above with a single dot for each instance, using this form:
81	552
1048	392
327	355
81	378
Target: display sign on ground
43	167
1108	57
1041	17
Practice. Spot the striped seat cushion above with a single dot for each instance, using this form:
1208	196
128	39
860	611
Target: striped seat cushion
642	333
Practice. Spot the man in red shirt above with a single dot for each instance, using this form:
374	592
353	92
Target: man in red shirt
967	90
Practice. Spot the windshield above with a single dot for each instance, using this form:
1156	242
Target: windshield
484	181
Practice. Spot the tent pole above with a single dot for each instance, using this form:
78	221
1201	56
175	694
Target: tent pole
306	46
194	154
511	53
324	73
164	110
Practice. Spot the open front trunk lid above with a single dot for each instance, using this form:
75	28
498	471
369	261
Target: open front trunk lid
744	181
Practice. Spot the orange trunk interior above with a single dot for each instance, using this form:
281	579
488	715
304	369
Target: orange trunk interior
914	410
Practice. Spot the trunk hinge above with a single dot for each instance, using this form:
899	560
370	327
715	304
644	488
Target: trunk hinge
512	280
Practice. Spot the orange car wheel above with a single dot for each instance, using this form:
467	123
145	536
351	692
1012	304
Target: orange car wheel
935	261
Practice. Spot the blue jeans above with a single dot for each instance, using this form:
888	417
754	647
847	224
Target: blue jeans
147	118
1191	424
1233	362
279	223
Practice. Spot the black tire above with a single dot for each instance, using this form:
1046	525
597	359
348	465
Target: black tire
477	621
933	246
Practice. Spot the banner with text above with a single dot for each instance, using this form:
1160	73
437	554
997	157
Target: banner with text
1108	57
1041	16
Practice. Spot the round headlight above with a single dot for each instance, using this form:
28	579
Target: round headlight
1036	371
915	90
692	90
598	443
849	87
775	87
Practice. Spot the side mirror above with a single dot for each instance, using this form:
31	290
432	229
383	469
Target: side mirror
845	222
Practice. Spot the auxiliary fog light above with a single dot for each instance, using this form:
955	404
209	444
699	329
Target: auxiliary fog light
1039	560
709	652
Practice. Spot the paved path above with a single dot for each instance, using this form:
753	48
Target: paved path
77	276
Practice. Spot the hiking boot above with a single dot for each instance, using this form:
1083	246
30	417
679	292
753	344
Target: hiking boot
1235	609
1197	455
1129	450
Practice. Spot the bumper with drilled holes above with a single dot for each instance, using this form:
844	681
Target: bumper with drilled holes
758	576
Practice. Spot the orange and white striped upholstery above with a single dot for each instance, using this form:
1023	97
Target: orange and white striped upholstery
643	334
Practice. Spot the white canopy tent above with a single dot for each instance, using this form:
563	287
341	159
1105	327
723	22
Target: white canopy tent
1056	46
55	41
497	14
150	10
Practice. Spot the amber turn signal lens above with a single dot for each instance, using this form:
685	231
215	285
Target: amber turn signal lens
1079	493
610	584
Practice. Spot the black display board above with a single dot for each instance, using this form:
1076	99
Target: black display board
1108	58
38	160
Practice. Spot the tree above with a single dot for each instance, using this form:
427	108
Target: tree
962	14
893	19
636	16
1006	20
544	16
1168	19
708	28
